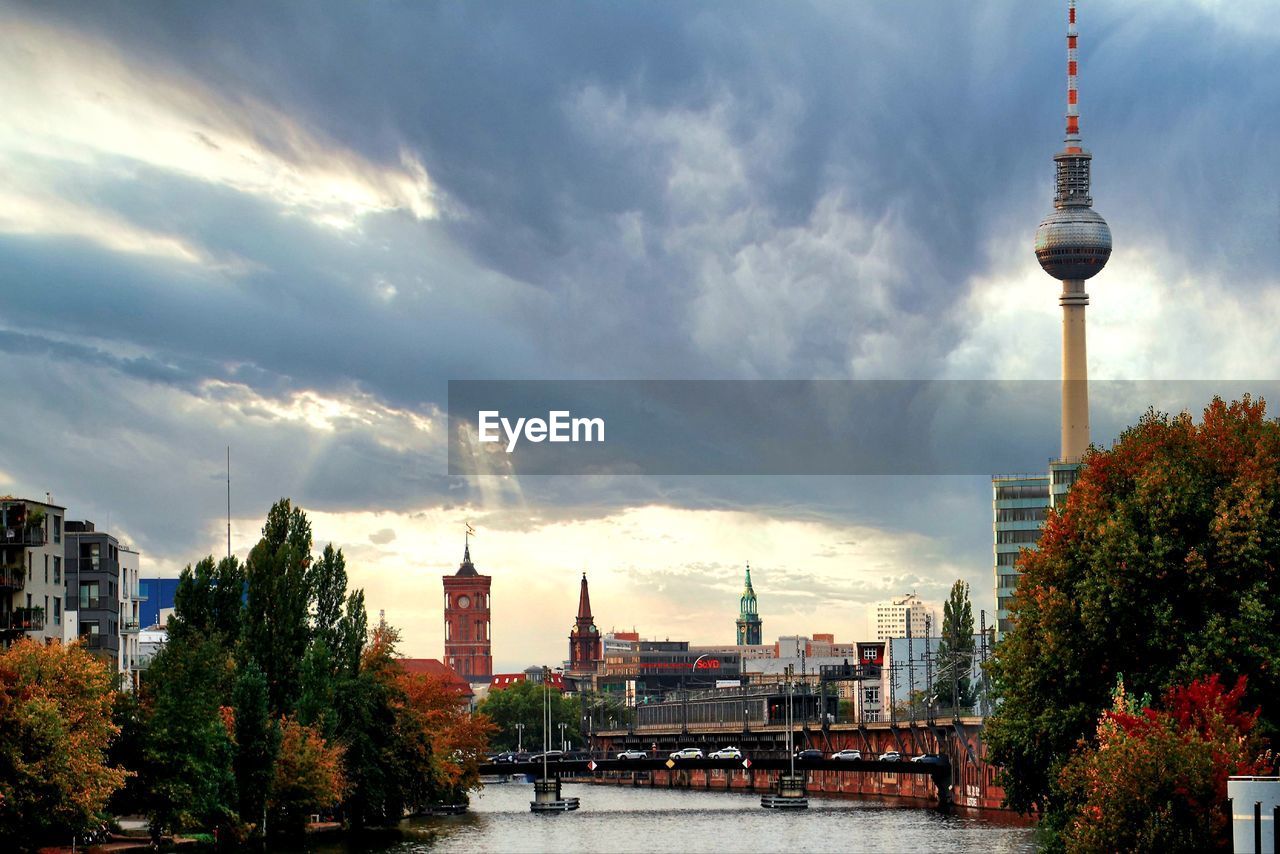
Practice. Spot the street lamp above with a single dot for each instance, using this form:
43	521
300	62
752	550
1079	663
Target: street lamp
519	738
562	743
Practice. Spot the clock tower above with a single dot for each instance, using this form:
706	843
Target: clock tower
467	646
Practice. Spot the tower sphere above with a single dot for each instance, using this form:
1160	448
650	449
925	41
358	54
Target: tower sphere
1073	243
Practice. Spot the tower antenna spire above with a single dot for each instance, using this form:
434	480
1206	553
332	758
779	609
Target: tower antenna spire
1073	92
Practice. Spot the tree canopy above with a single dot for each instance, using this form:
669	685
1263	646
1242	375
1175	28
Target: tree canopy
1162	566
55	728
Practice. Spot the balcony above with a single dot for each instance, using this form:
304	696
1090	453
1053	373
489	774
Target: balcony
22	620
129	627
137	596
93	641
22	536
94	603
13	577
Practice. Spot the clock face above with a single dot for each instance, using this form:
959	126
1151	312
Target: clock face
464	601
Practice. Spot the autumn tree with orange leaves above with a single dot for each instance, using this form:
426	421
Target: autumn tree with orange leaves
308	777
433	719
55	728
1162	566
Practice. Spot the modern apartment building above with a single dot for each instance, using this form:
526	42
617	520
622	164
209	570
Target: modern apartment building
131	600
891	618
31	570
103	597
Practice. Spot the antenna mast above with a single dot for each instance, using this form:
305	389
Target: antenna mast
228	501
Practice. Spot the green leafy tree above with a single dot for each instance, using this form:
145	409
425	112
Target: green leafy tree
1162	566
186	769
208	601
522	703
953	684
277	621
257	740
374	766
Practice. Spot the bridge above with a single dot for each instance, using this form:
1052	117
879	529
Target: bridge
938	771
965	779
746	770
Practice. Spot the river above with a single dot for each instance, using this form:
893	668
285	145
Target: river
623	819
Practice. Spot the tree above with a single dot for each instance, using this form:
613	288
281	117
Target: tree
55	728
208	601
1162	565
277	620
953	681
186	769
373	764
1157	780
307	777
444	742
257	738
522	703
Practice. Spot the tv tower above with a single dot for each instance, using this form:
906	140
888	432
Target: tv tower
1073	244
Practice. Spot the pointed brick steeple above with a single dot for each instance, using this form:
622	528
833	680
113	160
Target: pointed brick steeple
585	645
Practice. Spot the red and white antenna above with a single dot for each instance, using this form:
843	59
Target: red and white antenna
1073	95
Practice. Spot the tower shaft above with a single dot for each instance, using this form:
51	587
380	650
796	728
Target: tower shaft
1075	372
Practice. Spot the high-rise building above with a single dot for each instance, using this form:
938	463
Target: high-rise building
1072	244
467	644
891	617
750	628
1019	504
585	650
31	591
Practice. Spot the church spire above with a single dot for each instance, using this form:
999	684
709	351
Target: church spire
749	627
584	604
585	643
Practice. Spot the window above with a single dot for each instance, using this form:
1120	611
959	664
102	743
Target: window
57	529
46	569
57	610
1006	558
1007	492
1022	514
57	570
1031	536
89	595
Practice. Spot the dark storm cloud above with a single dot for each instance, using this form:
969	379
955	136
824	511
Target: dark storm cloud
627	190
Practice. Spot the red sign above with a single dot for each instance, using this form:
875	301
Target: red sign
591	766
708	664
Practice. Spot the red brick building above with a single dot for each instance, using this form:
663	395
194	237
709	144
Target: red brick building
467	644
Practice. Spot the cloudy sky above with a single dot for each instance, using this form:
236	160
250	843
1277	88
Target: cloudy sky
284	228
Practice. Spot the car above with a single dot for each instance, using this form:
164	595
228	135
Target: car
726	753
687	753
931	758
810	753
522	756
550	756
891	756
633	754
577	756
847	755
504	757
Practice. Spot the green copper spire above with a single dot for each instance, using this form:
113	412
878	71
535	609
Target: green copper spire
750	629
